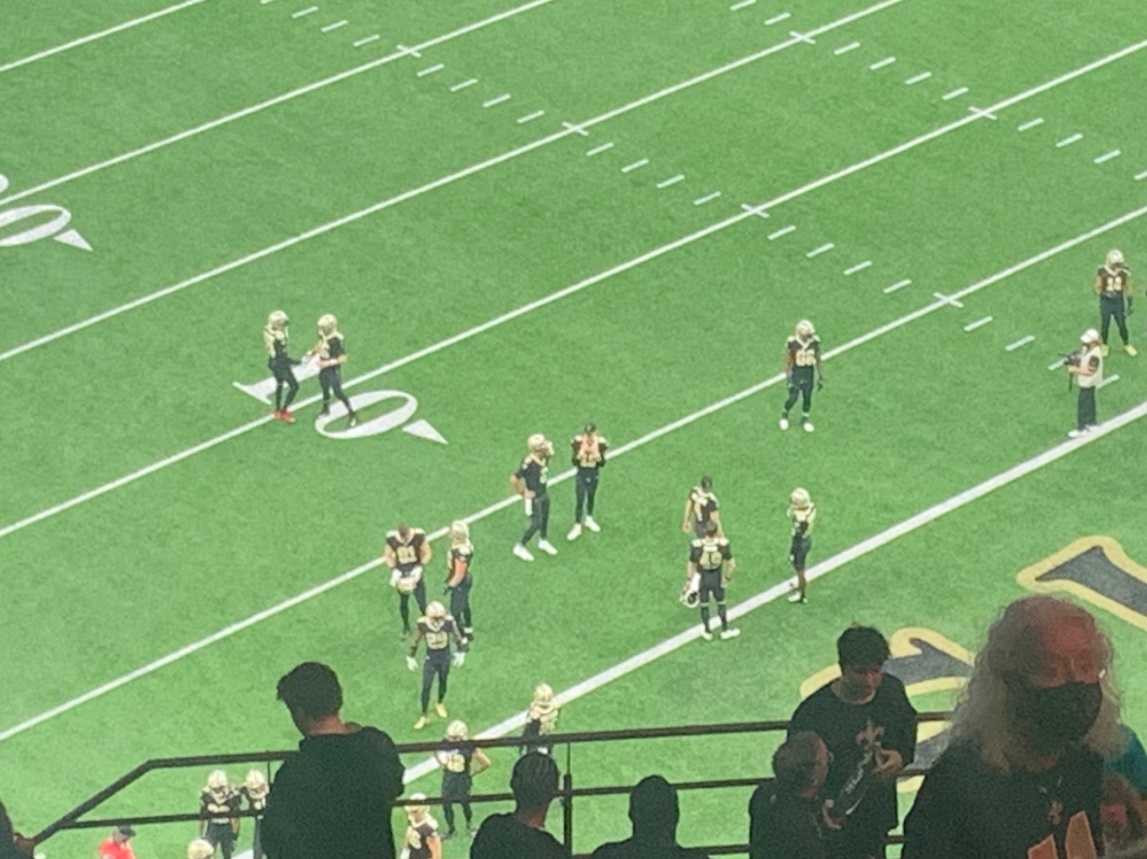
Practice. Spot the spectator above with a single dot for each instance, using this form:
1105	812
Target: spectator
116	845
218	807
654	812
1129	760
522	834
1123	825
200	849
787	818
13	845
1022	775
333	798
869	727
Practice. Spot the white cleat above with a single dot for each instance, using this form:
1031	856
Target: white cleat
547	547
1075	433
705	634
593	526
726	634
807	426
522	552
795	596
574	533
783	423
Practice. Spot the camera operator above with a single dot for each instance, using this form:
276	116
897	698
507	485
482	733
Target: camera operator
1086	366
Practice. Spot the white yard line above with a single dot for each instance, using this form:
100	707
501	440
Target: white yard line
1031	123
915	79
1107	156
900	284
860	266
820	249
1023	341
979	323
95	37
879	64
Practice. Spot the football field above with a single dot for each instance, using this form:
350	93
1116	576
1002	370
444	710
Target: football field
527	217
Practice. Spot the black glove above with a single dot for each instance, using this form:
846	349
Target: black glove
1130	308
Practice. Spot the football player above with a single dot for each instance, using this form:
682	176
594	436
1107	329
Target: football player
1113	286
530	481
459	766
589	458
802	512
712	557
701	508
275	341
255	789
218	805
407	552
802	367
541	720
421	840
331	352
459	579
438	628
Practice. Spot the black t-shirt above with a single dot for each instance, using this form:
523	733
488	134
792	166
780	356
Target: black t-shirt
635	848
503	836
535	475
849	730
785	826
968	810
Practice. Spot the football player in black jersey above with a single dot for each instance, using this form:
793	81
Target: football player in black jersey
459	766
802	367
218	803
588	457
541	720
255	790
438	628
407	552
331	352
421	840
459	579
1113	286
712	559
701	508
803	514
530	481
275	341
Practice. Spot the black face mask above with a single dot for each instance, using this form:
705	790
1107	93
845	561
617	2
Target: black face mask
1059	715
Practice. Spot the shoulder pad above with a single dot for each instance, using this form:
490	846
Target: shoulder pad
391	535
697	544
417	532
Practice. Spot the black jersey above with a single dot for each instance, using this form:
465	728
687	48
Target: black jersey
333	347
535	475
709	554
704	504
803	354
407	552
459	563
418	837
437	634
1113	284
218	808
588	450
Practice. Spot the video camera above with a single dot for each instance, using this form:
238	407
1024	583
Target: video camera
1071	359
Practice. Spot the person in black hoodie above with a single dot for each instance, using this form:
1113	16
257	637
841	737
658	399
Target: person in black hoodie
334	797
522	835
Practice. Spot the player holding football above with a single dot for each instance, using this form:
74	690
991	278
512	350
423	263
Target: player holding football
459	579
275	340
711	558
803	370
438	628
803	514
407	552
331	352
1113	286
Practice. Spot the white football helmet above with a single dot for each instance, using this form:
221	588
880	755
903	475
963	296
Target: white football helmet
1114	259
805	329
277	319
436	611
256	782
459	532
457	730
1089	336
417	811
543	693
217	781
200	849
799	498
328	324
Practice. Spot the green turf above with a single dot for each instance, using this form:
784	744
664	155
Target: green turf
479	215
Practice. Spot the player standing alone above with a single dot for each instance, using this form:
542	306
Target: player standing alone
331	350
280	363
459	579
589	458
530	481
1113	286
438	628
712	558
802	367
803	513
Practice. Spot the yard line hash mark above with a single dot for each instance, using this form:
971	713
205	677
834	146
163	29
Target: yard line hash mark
844	49
820	249
429	70
498	99
879	64
783	231
1031	123
915	79
672	180
1114	377
708	198
597	150
1107	156
1141	176
367	40
636	165
530	117
744	4
463	85
310	10
900	284
956	93
1023	341
335	26
979	323
860	266
776	19
1070	139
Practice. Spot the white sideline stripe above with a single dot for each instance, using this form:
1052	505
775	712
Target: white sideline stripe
466	83
1067	141
979	323
900	284
1023	341
879	64
308	11
1114	153
860	266
336	25
820	249
530	117
915	79
783	231
367	40
543	141
956	93
272	102
498	99
672	180
597	150
776	19
102	34
708	198
429	70
1031	123
1140	176
744	4
1114	377
844	49
783	588
635	165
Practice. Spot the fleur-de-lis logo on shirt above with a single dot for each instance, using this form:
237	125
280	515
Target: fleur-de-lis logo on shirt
1055	812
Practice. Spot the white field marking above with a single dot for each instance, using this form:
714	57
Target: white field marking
948	299
1141	176
310	10
265	2
708	198
1023	341
783	231
844	49
754	210
461	86
1056	365
530	117
367	40
498	99
1107	156
979	323
95	37
1114	377
329	28
1070	139
1031	123
984	113
783	588
744	4
597	150
820	249
279	99
575	128
879	64
543	141
915	79
818	570
900	284
429	70
860	266
776	19
672	180
956	93
409	52
636	165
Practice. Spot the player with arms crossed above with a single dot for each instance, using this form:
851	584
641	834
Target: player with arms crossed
711	561
803	514
407	552
438	628
802	367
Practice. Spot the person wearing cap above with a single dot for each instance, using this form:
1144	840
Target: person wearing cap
116	845
1086	366
1113	286
588	458
530	481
